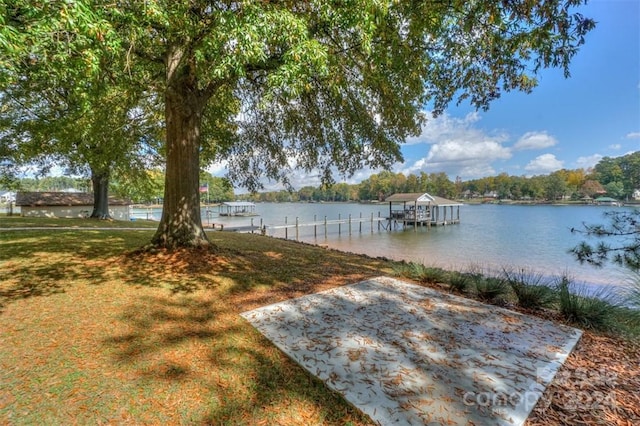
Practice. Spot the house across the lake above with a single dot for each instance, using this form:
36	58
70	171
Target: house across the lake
67	205
415	209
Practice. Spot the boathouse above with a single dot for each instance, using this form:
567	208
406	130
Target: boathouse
237	208
607	201
422	209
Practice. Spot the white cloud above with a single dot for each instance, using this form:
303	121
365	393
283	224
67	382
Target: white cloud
458	148
464	158
543	164
446	127
461	150
535	140
588	162
615	146
219	168
298	178
633	135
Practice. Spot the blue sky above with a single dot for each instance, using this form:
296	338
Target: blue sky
564	123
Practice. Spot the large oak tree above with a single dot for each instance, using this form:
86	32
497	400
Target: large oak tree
325	86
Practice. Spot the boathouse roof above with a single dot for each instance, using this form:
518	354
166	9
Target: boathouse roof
421	198
38	199
238	204
606	200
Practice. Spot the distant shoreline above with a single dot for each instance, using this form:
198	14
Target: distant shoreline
634	203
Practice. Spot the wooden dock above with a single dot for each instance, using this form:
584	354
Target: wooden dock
407	216
232	228
405	222
350	224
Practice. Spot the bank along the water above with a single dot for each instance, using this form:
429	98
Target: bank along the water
488	236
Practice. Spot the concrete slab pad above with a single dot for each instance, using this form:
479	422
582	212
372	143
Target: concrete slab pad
409	355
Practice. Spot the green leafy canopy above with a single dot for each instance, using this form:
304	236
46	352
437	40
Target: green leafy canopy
268	86
328	83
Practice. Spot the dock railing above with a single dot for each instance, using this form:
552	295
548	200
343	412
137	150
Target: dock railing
349	224
323	225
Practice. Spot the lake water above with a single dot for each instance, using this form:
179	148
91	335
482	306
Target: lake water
489	236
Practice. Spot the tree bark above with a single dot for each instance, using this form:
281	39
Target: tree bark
100	184
181	223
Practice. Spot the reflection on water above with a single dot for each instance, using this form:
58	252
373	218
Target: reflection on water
489	236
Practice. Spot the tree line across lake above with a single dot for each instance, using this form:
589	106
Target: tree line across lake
617	177
614	177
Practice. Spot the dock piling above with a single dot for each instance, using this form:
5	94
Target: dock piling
297	225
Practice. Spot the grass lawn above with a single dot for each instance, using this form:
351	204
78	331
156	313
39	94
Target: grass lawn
93	331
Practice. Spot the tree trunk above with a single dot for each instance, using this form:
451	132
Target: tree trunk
100	184
181	224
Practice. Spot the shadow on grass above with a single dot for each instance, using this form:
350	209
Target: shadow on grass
159	323
180	325
203	348
38	281
42	263
241	263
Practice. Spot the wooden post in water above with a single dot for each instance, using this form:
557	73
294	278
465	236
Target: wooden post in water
252	225
297	233
339	224
360	224
325	227
286	230
315	227
372	223
349	224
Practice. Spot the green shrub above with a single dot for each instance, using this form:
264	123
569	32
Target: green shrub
459	281
420	272
532	289
490	289
597	310
402	269
632	296
628	317
432	275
